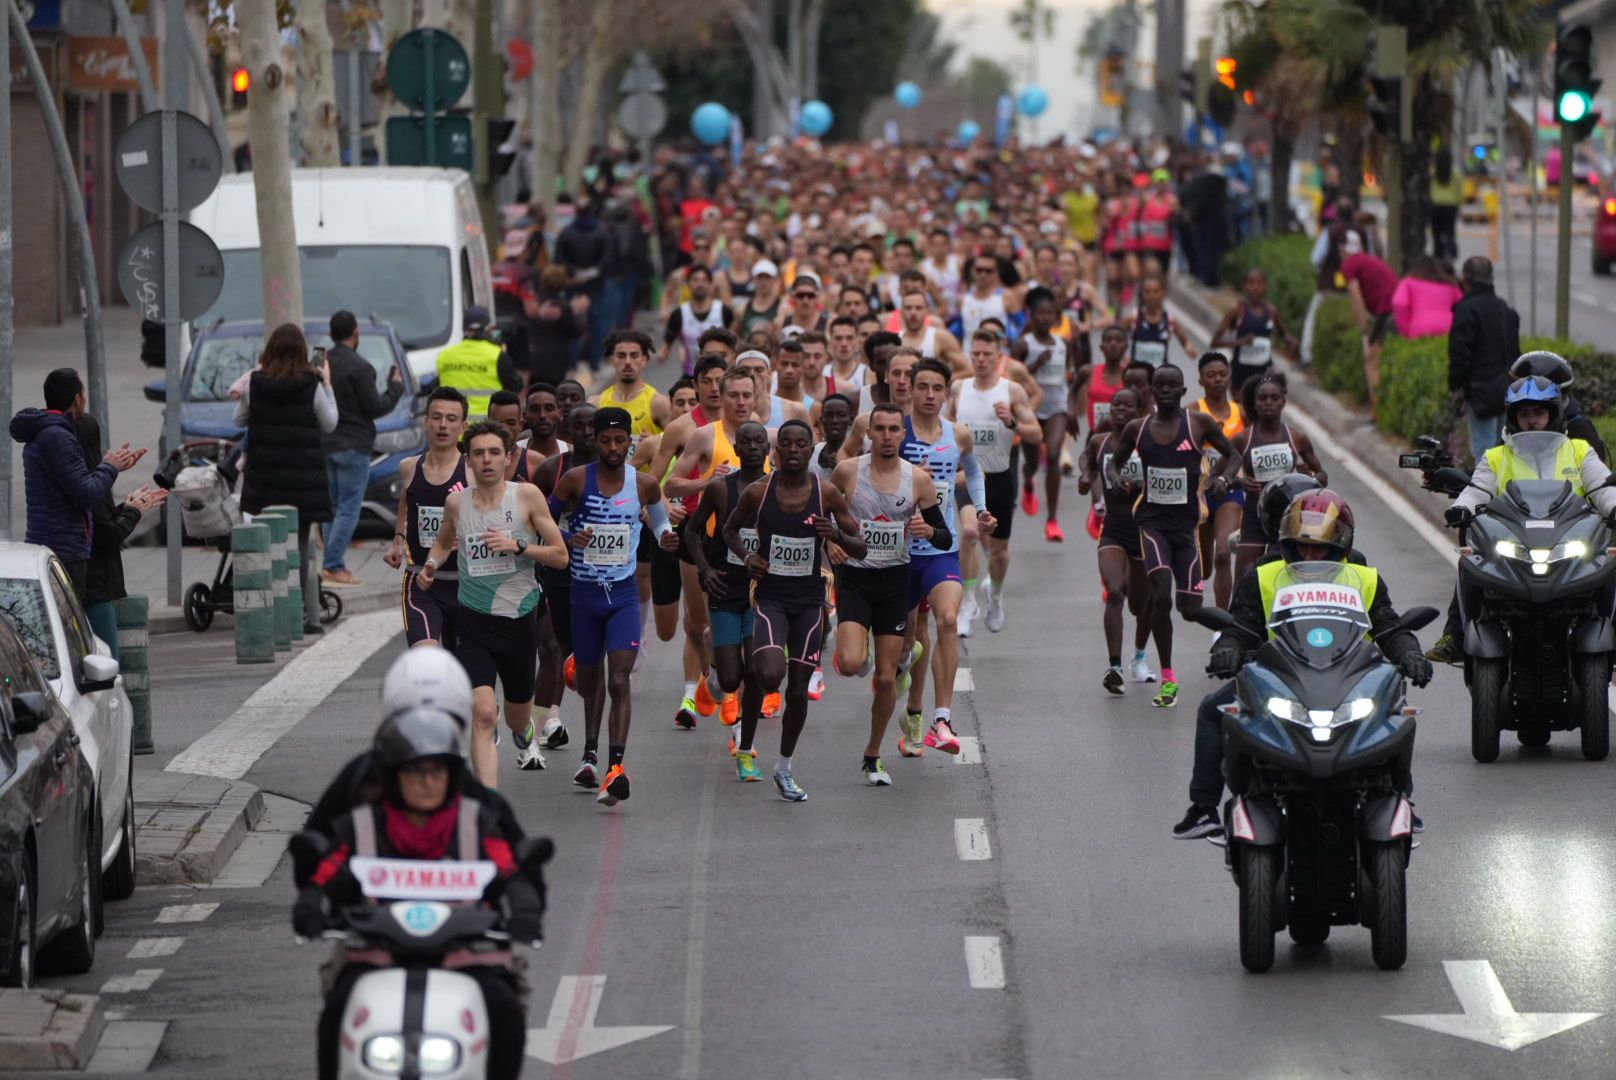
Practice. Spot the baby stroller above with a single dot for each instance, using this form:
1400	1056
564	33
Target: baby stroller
202	475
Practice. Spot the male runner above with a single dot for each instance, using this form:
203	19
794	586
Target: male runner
505	409
721	343
789	361
628	352
666	580
848	370
490	526
555	627
987	296
805	312
894	385
603	525
771	410
795	516
689	320
835	421
1050	359
569	395
929	340
424	483
816	384
543	416
942	268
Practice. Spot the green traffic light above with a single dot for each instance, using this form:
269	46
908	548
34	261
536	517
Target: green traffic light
1574	105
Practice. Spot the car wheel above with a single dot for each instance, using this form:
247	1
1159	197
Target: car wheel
72	952
1601	266
20	971
119	883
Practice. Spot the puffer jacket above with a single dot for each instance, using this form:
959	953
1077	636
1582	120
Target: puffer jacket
61	488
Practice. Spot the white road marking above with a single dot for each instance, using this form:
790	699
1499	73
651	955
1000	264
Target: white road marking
984	963
131	984
126	1046
278	706
1488	1016
971	839
148	948
970	750
1585	298
963	682
179	913
558	1043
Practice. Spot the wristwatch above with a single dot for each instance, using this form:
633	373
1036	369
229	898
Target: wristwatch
521	546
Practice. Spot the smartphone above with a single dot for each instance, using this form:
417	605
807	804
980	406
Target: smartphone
318	358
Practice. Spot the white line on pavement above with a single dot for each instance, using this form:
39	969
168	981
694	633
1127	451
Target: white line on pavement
963	682
178	913
126	1046
148	948
278	706
971	839
131	984
970	750
984	963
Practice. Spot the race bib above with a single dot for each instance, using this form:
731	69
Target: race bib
1052	372
791	556
479	560
609	545
1258	353
884	538
1168	487
1134	471
992	441
1102	411
1153	353
1270	461
428	520
749	541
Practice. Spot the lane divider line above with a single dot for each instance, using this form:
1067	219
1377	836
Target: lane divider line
984	963
963	682
148	948
132	984
971	839
184	913
970	750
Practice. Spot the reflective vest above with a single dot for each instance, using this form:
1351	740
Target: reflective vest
1507	466
471	366
1268	575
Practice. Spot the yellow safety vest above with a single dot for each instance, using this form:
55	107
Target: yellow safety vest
471	366
1268	583
1507	466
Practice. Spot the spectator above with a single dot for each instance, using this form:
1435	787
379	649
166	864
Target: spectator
1484	340
1262	189
555	326
1370	285
1206	208
1447	194
584	248
103	585
1326	258
1423	302
287	409
60	488
347	449
625	264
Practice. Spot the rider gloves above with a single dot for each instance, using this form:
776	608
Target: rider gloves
1415	666
309	913
1457	516
1225	662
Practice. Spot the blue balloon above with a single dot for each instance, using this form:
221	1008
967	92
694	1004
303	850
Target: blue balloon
968	131
710	123
816	118
908	94
1033	101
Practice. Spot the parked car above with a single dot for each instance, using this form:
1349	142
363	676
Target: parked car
1604	242
37	598
50	886
223	352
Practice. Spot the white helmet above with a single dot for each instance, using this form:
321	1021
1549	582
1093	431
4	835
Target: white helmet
427	677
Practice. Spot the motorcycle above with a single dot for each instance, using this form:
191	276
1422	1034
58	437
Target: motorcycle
415	1016
1318	744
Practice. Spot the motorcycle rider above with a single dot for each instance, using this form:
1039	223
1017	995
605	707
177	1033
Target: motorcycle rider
423	812
1553	367
1316	525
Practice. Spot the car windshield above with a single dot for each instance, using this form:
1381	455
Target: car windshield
22	601
409	287
220	361
1538	451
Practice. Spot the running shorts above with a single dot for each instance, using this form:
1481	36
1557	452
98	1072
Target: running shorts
559	600
1236	495
605	618
876	599
1176	550
429	614
665	580
1120	534
926	572
494	646
731	627
1251	525
795	626
1001	489
647	544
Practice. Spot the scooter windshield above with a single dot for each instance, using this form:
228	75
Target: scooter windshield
1538	451
1320	610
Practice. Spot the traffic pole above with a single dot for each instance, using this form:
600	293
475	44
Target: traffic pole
176	88
1562	254
7	329
134	641
253	575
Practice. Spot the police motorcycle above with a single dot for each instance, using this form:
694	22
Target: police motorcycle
1318	745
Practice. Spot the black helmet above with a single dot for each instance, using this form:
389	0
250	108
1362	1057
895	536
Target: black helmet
416	735
1276	496
1545	364
1534	390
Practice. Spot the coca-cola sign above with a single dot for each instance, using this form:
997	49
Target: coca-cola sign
104	63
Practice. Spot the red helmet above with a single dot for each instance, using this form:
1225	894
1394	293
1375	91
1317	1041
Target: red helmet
1316	518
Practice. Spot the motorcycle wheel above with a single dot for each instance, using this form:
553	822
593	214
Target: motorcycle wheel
1308	928
1533	736
1591	673
1489	685
1259	870
1388	913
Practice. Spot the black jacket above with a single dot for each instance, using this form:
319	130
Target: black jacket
103	580
1484	340
1246	605
285	463
359	783
353	384
60	487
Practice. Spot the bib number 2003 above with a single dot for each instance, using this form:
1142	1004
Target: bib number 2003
791	556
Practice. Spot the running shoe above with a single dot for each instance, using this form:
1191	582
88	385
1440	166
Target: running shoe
994	619
1141	670
732	748
941	736
1198	821
730	710
685	718
615	788
704	702
569	673
585	776
790	791
1447	650
816	685
911	735
1168	696
1113	681
771	705
875	774
1052	532
528	757
906	669
1416	822
1029	502
746	770
1067	468
967	615
555	733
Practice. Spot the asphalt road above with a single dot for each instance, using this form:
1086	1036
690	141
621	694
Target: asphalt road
831	938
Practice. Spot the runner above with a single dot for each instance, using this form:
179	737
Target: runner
505	409
1122	567
542	415
490	526
1250	327
927	340
555	622
720	343
425	482
1153	330
1268	449
942	268
763	307
817	385
689	320
795	516
603	525
835	421
1049	358
570	394
1220	530
1096	386
1169	509
666	581
789	360
771	409
848	370
806	312
894	369
628	351
987	297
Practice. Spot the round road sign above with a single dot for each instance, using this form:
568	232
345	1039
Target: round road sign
140	271
407	69
642	115
139	161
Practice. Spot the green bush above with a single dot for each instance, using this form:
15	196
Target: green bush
1413	397
1595	388
1291	277
1338	350
1606	426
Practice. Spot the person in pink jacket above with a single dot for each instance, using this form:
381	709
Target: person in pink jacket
1422	305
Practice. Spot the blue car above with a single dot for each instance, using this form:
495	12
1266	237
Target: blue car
225	351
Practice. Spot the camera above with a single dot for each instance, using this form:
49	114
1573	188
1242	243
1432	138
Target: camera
1439	471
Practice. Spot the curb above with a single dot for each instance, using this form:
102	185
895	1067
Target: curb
190	826
48	1029
168	620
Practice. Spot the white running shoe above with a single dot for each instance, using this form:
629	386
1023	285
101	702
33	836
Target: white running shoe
528	757
554	734
1141	670
816	685
994	620
967	615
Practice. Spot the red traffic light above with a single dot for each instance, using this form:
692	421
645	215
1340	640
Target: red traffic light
239	80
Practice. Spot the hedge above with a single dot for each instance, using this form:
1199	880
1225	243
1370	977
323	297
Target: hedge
1286	259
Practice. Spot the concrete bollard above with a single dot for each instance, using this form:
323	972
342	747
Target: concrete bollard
294	566
282	595
254	576
133	651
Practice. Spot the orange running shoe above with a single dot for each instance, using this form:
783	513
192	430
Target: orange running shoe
614	789
730	711
704	698
771	705
569	673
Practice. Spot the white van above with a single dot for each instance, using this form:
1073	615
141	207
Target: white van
403	244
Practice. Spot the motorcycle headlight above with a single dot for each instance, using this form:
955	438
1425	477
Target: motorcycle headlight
396	442
1571	549
1358	709
439	1055
1508	549
1284	709
385	1054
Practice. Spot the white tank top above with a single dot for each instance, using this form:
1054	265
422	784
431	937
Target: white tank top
692	326
883	519
993	440
928	342
974	309
945	277
1052	373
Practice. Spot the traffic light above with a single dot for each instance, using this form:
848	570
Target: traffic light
1574	82
239	82
1226	68
501	150
1388	106
1385	105
1220	104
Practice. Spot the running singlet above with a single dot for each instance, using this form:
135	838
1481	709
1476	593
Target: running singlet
1171	497
1118	499
490	581
1259	323
1051	374
791	545
721	557
946	278
942	460
638	408
1232	426
1151	339
992	439
1155	224
692	326
883	519
423	503
817	467
928	342
1266	461
974	309
1100	395
615	521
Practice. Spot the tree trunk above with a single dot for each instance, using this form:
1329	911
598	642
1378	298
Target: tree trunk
396	18
322	139
1282	153
268	131
794	49
767	60
597	55
763	111
1416	184
456	17
546	119
813	19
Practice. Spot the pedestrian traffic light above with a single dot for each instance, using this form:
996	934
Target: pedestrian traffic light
501	147
1389	110
1574	82
1226	68
1192	86
1385	105
239	82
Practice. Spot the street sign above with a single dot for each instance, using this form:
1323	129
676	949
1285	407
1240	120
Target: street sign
642	77
451	141
139	161
642	115
140	271
428	70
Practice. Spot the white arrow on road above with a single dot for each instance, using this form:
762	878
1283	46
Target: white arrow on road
1488	1016
571	1033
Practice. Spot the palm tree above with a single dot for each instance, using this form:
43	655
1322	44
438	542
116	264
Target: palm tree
1032	21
